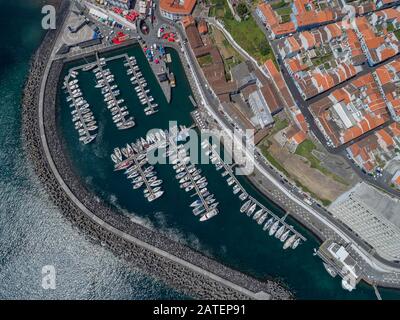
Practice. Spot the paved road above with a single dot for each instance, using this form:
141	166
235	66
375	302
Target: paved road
304	107
378	267
110	228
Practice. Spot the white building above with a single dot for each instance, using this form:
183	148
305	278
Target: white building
263	116
374	216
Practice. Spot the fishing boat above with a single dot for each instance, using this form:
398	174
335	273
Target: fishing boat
284	235
257	214
155	196
196	203
133	175
296	243
274	228
245	206
180	174
137	185
262	218
251	210
243	196
268	224
280	231
188	188
198	210
208	215
156	183
138	179
289	242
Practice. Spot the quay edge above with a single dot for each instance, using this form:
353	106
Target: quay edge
110	229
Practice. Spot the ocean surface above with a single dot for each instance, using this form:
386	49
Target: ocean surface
33	232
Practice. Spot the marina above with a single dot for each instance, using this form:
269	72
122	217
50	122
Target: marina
274	224
140	86
82	116
229	237
205	203
105	79
133	160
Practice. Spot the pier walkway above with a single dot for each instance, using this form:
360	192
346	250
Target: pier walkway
134	68
228	168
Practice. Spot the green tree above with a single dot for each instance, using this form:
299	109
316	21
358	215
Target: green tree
264	48
241	9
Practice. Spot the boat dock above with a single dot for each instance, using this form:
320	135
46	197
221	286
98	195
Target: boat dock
82	116
263	211
189	170
198	120
113	104
143	175
133	69
133	158
161	72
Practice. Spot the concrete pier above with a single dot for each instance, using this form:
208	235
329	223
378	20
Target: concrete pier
176	264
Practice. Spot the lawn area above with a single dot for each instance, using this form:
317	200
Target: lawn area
321	59
284	11
305	150
204	60
279	125
264	150
397	34
246	33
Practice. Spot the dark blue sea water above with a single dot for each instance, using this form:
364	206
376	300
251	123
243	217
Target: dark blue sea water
33	232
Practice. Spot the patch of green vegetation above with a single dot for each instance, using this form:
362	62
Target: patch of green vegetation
264	150
246	33
242	9
204	60
284	11
305	150
285	18
278	5
279	124
390	27
397	34
321	59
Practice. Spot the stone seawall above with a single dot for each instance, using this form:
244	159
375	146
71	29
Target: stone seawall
175	274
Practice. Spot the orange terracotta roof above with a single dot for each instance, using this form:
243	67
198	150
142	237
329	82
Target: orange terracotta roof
397	181
364	155
309	38
268	13
387	53
173	6
299	137
385	137
311	17
395	127
355	149
334	30
202	27
284	28
383	75
368	166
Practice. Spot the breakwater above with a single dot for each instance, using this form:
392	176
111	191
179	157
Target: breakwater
176	274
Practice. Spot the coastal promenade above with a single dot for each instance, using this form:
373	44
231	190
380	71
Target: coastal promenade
376	270
175	263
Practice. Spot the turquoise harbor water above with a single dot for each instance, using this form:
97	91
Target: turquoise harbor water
33	232
231	237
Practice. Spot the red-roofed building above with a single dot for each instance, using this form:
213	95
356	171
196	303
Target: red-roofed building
176	9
